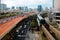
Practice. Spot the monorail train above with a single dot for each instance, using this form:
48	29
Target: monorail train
41	21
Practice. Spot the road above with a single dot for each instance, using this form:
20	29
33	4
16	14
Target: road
7	26
21	32
4	28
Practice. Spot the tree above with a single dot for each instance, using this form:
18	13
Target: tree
33	22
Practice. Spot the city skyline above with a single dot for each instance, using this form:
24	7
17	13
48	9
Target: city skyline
29	3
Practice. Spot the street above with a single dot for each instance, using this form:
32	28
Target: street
21	32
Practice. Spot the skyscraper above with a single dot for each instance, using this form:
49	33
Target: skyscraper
26	9
0	5
20	8
39	8
3	6
0	2
13	7
53	3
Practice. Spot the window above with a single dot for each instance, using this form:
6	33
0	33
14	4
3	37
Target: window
57	14
58	18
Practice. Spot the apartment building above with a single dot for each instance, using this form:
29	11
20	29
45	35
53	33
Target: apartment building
56	6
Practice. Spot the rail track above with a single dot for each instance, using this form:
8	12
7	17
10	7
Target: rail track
53	34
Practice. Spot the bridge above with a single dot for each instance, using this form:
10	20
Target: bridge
9	25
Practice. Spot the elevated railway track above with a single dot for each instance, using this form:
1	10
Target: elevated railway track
48	35
53	34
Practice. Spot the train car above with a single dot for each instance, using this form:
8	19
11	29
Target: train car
41	21
39	18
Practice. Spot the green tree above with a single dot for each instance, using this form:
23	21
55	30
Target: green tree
33	22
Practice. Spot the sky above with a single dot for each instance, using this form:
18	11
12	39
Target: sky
29	3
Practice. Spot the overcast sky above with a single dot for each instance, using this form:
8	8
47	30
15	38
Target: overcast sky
29	3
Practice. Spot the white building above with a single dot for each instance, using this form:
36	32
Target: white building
56	5
56	9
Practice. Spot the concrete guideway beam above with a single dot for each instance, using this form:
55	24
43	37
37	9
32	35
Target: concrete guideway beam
48	35
55	31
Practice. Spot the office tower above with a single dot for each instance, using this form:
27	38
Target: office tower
20	8
26	9
13	7
3	6
39	8
0	6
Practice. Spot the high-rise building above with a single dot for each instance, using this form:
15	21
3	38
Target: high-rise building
39	8
46	9
13	7
0	5
20	8
30	9
56	7
0	2
26	9
3	6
